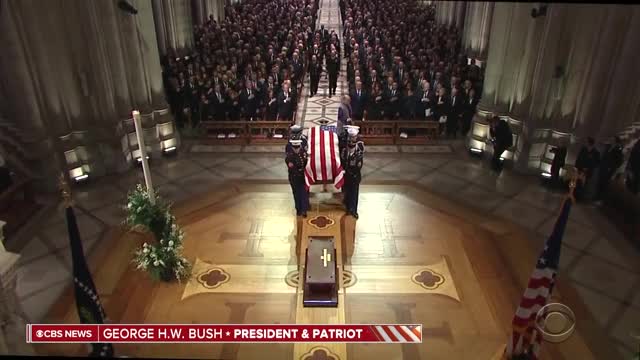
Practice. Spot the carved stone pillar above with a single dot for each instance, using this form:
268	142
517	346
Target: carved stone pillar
174	24
78	66
560	74
477	26
511	32
450	13
202	9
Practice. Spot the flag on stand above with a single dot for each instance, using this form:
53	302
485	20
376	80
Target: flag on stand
324	159
90	310
525	337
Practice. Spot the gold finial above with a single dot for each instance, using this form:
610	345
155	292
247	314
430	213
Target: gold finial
66	190
574	176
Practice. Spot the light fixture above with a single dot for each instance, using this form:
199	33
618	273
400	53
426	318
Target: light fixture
140	159
501	158
169	150
81	177
546	175
475	150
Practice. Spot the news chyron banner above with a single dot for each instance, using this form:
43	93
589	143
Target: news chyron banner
259	333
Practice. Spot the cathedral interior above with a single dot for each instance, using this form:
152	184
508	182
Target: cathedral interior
446	232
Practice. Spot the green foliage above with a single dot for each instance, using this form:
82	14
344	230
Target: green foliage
163	259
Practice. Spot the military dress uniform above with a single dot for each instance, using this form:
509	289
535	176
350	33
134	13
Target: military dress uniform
296	161
352	158
295	133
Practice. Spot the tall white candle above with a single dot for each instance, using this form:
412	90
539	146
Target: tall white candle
143	153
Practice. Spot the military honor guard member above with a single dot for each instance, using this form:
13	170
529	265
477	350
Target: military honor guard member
296	161
295	133
352	157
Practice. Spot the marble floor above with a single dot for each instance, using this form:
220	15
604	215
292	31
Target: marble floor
596	260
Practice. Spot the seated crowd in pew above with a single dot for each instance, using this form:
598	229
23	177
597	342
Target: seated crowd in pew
411	69
249	66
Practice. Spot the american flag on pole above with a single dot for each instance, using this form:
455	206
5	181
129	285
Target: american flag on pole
525	337
324	159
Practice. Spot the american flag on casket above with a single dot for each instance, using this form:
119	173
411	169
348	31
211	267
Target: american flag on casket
324	165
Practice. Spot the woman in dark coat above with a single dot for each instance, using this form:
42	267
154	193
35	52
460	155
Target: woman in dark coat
375	105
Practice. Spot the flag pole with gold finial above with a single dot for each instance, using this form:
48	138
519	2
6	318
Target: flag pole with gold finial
65	190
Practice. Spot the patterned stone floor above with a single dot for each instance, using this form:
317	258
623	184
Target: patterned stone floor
322	109
600	263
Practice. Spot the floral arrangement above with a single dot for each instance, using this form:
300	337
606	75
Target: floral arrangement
163	259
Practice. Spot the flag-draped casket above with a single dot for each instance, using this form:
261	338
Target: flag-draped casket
324	165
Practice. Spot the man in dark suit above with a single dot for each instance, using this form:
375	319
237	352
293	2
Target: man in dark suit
218	104
249	101
358	101
468	110
392	101
401	72
298	67
286	103
612	159
426	100
315	71
587	162
502	139
455	113
333	69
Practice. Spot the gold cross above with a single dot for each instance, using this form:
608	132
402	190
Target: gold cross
326	257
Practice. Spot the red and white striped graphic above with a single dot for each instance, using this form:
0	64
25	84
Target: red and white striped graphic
324	159
398	333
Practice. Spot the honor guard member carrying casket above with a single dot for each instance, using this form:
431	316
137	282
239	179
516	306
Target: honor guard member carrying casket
295	133
296	161
352	157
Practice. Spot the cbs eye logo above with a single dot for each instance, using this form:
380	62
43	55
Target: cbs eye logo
556	322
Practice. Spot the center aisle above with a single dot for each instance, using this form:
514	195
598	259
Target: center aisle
322	109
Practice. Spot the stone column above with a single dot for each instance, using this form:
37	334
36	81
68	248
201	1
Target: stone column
609	100
78	66
450	13
174	24
561	73
512	33
477	26
202	9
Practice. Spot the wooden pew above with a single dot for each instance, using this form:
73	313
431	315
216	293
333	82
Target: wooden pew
419	131
214	128
377	132
260	132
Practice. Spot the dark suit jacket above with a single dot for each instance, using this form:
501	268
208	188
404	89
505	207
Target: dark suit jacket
249	105
359	103
392	102
456	106
441	107
285	105
218	109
